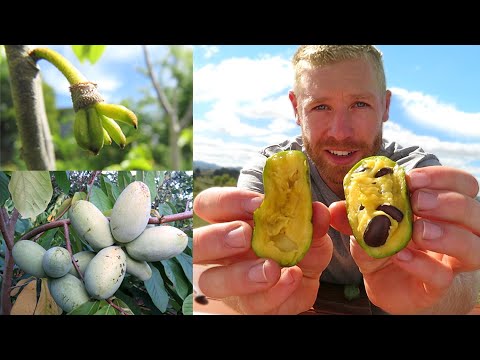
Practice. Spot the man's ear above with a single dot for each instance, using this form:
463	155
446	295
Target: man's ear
386	115
293	101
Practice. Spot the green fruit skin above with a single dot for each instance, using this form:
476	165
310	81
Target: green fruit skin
82	258
140	269
105	272
68	292
91	225
57	262
402	237
158	243
28	256
283	223
131	212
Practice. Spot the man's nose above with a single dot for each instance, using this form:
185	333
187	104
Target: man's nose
341	126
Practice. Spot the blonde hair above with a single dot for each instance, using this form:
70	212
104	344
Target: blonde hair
308	56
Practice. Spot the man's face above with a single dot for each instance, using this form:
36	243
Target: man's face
341	111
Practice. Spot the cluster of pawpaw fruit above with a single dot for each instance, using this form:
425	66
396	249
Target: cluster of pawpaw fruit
125	244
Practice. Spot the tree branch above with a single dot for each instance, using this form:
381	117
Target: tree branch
45	227
152	220
27	94
161	96
7	226
6	303
186	117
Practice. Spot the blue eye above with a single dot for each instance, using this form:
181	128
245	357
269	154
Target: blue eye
320	107
360	104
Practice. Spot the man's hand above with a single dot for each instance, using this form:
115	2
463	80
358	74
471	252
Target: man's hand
259	286
445	242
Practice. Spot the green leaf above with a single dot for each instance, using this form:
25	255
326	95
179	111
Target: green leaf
124	306
46	239
156	289
87	308
165	209
110	189
22	226
188	250
62	180
88	52
78	196
107	310
31	192
186	264
160	176
149	180
4	193
124	178
186	137
75	241
133	164
100	199
129	302
187	307
175	274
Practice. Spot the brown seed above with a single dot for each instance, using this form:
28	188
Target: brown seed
392	211
376	233
383	171
201	299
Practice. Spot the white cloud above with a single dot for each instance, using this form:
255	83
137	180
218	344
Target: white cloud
454	154
239	80
217	151
209	50
445	117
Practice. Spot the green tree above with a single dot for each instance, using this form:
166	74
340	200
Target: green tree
10	145
168	291
156	144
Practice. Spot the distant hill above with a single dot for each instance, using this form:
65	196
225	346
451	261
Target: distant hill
202	165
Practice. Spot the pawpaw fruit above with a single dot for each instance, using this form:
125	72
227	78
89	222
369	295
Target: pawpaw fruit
56	262
28	255
131	212
378	206
283	223
91	225
157	244
139	269
68	292
82	259
105	272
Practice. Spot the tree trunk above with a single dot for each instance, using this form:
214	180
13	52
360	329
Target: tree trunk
37	146
173	142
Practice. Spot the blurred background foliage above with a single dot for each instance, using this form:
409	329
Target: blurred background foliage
147	147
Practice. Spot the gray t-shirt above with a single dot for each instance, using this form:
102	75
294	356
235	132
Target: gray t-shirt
342	269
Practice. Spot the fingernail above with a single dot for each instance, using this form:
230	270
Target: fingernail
426	200
257	273
419	180
405	255
431	231
236	238
252	204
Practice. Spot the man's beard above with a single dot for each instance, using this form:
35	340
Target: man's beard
336	173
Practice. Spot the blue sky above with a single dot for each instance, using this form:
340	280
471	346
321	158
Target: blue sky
116	73
241	101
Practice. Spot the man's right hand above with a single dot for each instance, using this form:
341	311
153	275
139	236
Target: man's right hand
254	285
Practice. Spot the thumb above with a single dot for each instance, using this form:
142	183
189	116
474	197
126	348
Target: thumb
338	217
